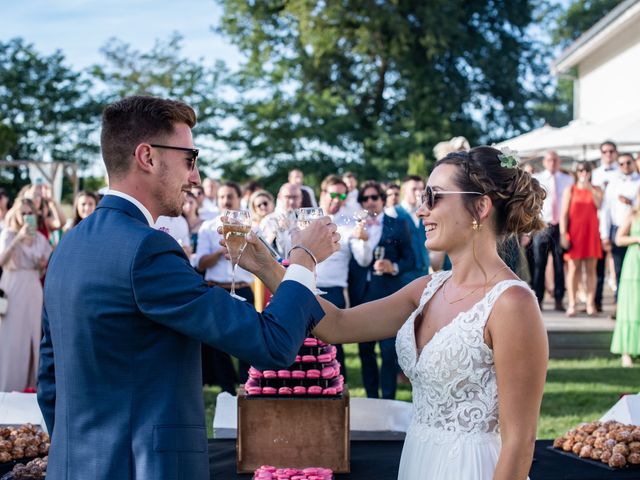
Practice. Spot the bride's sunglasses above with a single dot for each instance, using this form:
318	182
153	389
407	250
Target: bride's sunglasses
430	196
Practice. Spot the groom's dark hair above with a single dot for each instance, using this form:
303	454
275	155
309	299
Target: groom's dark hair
133	120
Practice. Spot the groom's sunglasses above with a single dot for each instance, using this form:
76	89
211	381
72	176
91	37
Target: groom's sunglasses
430	196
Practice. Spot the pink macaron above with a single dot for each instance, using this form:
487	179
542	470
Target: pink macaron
310	342
254	373
269	374
299	390
269	391
298	374
308	358
284	374
313	390
285	391
313	373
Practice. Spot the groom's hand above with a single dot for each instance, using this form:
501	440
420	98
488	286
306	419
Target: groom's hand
255	258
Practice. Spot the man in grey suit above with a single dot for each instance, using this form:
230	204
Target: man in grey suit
124	312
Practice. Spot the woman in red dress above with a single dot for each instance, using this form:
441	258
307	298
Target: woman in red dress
580	235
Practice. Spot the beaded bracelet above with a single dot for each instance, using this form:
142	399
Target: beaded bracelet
302	247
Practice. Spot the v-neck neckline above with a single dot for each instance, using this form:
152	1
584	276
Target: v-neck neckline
421	307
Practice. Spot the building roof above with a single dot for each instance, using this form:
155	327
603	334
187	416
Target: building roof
624	13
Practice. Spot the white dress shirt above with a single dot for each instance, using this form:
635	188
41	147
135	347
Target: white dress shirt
177	227
334	271
613	211
602	175
546	179
209	209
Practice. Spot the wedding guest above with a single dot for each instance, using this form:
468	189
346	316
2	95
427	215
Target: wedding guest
392	191
602	176
177	228
626	333
261	204
84	205
120	381
412	190
209	207
247	190
619	199
555	182
351	205
217	367
4	206
308	195
24	253
580	236
390	240
332	275
49	214
276	226
469	336
190	213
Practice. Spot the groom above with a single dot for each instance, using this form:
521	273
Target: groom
124	312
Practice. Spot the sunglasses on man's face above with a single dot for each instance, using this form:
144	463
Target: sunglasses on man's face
430	196
366	198
334	195
192	153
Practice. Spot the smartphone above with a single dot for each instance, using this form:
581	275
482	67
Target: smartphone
32	222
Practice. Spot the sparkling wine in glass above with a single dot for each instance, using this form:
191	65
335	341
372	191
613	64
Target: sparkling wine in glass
304	217
235	227
378	254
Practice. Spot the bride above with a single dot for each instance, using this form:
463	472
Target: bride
471	340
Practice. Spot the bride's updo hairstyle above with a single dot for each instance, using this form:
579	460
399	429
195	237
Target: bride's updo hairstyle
517	196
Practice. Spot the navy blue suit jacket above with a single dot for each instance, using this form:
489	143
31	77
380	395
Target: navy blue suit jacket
418	238
120	383
396	240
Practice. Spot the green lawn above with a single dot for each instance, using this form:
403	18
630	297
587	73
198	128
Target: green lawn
576	391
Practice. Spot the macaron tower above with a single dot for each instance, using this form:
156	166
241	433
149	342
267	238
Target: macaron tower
315	372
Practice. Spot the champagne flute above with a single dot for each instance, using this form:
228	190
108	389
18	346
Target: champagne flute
361	215
304	217
235	227
378	254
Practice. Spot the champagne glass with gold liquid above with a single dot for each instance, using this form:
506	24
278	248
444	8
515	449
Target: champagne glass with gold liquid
235	227
304	217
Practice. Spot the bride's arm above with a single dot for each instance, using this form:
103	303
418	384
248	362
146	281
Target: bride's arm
520	349
369	321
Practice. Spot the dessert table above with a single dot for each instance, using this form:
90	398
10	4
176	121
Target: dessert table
380	459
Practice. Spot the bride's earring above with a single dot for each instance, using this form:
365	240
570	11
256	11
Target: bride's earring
475	225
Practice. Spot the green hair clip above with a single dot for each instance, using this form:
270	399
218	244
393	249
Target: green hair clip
508	158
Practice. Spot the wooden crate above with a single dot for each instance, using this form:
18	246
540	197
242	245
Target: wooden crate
293	432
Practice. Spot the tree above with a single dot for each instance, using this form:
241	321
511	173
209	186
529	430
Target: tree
579	16
165	73
372	83
44	106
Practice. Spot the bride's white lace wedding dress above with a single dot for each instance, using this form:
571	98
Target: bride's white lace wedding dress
454	433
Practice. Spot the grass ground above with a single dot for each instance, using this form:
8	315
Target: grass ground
576	391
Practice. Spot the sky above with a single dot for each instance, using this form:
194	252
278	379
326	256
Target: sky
80	27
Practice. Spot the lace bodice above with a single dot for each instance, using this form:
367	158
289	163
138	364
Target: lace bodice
454	377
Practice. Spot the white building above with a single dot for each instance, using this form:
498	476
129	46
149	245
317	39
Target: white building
606	63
